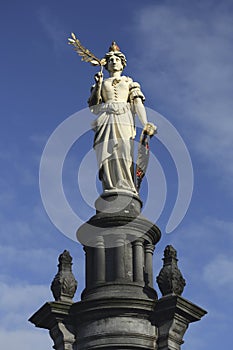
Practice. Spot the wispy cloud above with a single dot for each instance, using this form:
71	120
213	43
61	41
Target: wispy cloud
188	68
218	273
53	28
24	263
17	304
35	339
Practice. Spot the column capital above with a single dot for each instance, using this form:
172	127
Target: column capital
149	248
138	242
99	242
120	240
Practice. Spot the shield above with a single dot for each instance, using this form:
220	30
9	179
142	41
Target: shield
143	153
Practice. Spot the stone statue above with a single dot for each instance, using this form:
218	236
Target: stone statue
115	100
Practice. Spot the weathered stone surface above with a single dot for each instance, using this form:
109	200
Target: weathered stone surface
170	279
119	252
172	316
114	323
64	284
115	203
119	298
119	307
54	316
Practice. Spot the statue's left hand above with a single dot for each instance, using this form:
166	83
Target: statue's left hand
150	129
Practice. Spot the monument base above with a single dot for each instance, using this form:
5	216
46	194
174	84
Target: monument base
114	323
119	307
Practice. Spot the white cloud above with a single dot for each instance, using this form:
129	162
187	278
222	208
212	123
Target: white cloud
188	67
39	139
218	273
25	340
28	260
52	28
19	302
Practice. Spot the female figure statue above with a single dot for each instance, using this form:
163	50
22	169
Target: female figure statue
116	100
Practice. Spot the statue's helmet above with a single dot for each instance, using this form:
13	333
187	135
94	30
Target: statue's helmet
115	50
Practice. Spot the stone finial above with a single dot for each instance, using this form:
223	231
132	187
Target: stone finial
64	284
170	279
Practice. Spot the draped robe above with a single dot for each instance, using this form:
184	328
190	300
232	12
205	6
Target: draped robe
114	133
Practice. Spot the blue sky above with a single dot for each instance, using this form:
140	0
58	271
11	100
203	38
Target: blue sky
181	53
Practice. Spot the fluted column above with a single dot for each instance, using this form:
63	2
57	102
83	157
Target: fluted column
138	260
89	266
99	259
128	261
149	250
120	258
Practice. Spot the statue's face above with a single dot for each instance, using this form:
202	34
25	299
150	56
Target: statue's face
114	64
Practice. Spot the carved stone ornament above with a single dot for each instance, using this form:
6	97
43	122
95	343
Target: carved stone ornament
64	284
170	279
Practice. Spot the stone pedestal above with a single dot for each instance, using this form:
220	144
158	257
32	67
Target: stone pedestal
119	245
119	297
114	323
119	307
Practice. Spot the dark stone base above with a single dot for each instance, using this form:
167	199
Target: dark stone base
119	309
119	203
117	213
118	301
114	323
112	226
119	290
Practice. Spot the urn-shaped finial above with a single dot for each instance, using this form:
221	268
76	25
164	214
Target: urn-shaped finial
170	279
64	284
